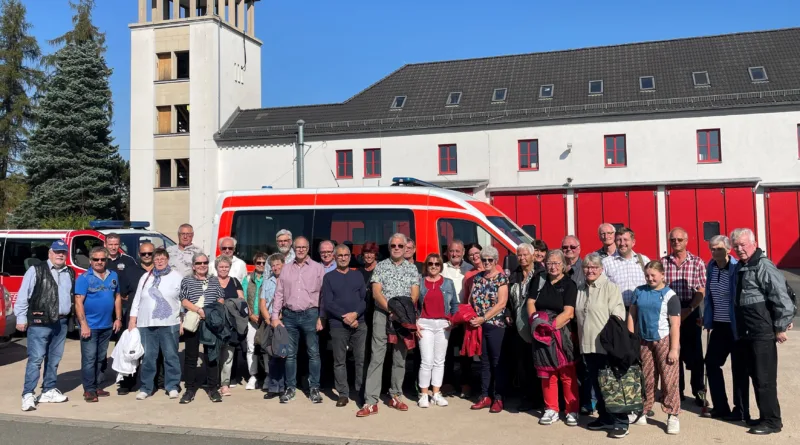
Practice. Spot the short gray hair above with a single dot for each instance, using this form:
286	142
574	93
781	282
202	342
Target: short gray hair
98	249
720	239
275	257
560	254
327	241
222	259
341	247
490	251
227	238
594	259
600	228
198	255
283	232
457	242
744	231
398	235
525	246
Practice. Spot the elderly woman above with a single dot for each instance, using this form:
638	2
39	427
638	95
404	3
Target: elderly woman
156	311
199	285
719	319
598	300
232	288
488	297
276	382
527	272
554	306
251	289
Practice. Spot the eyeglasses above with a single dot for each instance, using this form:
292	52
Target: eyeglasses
284	241
568	247
145	253
186	234
607	233
475	254
300	247
677	240
201	263
552	264
591	267
226	248
487	260
434	264
397	246
99	260
343	255
260	263
326	252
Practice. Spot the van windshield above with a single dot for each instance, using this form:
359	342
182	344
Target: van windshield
511	230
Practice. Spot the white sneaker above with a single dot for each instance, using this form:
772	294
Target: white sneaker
141	395
251	384
439	399
636	419
173	394
550	417
53	396
571	419
673	425
424	401
29	402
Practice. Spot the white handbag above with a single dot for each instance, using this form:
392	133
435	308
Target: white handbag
191	321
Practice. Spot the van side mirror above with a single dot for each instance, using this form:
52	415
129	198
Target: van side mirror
510	263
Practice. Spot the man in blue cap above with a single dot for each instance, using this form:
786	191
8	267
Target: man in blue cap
43	305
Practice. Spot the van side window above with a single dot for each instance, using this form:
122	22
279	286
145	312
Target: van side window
255	230
22	253
81	246
356	227
468	232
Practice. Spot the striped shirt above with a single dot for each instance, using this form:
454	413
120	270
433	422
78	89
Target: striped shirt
192	289
627	274
720	292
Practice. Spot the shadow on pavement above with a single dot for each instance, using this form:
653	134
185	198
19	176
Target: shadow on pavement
12	352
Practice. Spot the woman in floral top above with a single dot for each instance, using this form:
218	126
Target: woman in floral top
488	297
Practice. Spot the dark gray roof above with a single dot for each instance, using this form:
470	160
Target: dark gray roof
726	58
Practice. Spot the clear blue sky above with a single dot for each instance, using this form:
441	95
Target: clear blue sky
319	51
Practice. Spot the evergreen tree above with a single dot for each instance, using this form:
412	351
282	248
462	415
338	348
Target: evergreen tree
19	80
83	30
71	165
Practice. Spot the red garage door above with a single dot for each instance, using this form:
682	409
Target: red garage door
783	227
636	209
542	215
706	212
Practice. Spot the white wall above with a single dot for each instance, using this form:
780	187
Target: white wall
142	123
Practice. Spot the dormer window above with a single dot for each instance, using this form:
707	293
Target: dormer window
499	94
453	99
546	92
595	87
647	83
701	79
398	102
758	74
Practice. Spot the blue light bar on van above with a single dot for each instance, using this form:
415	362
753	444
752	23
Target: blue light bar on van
266	186
408	181
99	224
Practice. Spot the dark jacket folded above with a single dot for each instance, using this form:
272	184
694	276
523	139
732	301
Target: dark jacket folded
553	348
404	325
621	345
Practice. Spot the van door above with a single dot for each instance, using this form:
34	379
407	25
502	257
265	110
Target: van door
80	243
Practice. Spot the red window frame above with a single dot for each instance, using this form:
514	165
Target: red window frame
615	149
704	143
450	155
376	165
527	156
341	161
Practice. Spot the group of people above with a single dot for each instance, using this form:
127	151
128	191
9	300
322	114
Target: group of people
543	326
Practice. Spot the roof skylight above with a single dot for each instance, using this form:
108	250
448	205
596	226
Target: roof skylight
398	102
546	91
701	79
453	99
499	94
595	87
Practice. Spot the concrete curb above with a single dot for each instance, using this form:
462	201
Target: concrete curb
205	432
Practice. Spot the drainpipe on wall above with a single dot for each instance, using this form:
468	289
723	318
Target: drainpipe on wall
300	155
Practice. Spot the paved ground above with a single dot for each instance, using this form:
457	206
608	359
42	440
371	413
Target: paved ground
245	415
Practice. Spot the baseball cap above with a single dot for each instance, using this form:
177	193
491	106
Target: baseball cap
59	245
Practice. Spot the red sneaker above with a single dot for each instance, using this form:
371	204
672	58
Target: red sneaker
367	410
398	404
103	393
497	406
484	402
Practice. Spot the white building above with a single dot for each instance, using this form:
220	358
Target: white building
700	133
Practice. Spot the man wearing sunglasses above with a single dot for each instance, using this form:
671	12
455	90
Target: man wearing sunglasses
227	247
96	298
180	255
571	247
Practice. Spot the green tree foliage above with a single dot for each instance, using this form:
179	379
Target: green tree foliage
67	222
83	29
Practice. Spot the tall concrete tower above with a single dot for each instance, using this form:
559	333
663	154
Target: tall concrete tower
193	62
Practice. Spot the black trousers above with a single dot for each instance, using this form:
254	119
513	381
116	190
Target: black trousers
761	359
720	346
692	352
519	364
465	363
356	340
191	351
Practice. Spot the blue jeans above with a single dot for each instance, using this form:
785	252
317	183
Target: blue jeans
94	351
44	341
164	339
304	322
276	369
594	363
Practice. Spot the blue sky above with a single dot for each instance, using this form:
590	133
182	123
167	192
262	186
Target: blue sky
320	51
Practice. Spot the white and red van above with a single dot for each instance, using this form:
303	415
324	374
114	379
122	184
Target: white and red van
431	215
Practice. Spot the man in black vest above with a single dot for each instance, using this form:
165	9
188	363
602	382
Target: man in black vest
43	305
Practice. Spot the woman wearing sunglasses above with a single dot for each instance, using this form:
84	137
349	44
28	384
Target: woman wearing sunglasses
199	285
438	301
488	297
251	289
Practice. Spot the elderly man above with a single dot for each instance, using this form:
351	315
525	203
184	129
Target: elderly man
607	234
571	247
393	277
227	247
180	255
96	299
624	267
297	300
284	241
275	366
326	256
410	254
686	275
45	301
455	268
763	312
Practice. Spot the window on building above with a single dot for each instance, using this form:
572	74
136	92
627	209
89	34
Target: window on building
448	160
701	79
499	94
182	172
453	99
164	173
182	59
615	151
372	163
708	147
546	92
164	66
529	154
164	118
647	83
182	112
758	74
398	102
596	87
344	164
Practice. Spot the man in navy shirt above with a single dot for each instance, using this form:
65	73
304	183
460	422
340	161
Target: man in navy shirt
97	298
344	300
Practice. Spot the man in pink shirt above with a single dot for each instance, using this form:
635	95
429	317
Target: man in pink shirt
297	299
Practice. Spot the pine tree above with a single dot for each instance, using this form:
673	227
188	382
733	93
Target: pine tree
71	165
83	30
